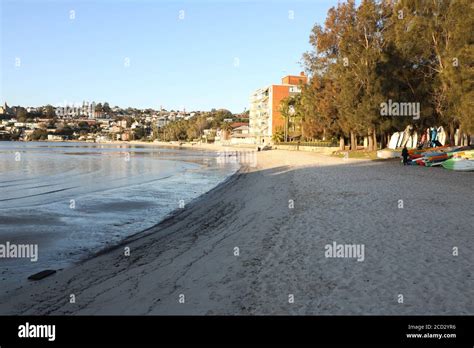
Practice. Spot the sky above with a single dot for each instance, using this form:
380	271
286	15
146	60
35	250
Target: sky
193	55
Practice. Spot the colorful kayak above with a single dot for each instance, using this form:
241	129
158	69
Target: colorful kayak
464	154
437	157
421	151
459	164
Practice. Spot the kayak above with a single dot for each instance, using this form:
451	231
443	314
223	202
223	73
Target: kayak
418	160
430	149
387	153
437	157
440	163
443	149
464	154
459	164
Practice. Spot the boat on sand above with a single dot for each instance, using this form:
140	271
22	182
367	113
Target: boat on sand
459	164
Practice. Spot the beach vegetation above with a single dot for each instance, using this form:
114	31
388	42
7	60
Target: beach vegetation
39	134
365	55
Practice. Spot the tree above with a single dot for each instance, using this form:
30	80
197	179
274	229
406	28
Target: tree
175	131
49	111
21	114
440	58
320	114
106	108
65	130
361	50
39	134
139	133
365	55
458	71
279	135
290	108
83	125
226	129
99	109
201	124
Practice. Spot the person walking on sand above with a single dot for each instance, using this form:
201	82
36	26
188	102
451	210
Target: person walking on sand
405	155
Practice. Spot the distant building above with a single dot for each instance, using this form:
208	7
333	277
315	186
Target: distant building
235	125
122	123
31	109
5	110
240	135
116	129
264	115
244	129
162	121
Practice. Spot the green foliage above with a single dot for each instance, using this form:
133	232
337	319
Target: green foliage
406	51
174	131
225	126
139	133
83	125
291	111
39	134
193	128
279	136
65	130
106	108
21	114
99	108
49	112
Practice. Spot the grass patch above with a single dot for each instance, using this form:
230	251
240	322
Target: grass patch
358	154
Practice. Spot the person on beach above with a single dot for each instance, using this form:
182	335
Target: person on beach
405	155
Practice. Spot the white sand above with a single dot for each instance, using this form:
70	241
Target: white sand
407	251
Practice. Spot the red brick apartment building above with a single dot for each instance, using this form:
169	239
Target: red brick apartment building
265	115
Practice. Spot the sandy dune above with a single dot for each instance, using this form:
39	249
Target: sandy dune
407	251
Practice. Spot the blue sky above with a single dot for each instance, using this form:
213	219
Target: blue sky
214	57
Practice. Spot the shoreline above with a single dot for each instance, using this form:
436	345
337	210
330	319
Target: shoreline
177	144
167	219
281	250
19	282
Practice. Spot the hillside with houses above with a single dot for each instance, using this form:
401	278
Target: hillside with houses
101	123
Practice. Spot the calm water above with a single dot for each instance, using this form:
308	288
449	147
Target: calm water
72	199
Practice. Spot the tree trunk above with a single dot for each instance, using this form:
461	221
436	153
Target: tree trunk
370	143
460	137
385	139
382	140
342	143
374	143
452	131
353	141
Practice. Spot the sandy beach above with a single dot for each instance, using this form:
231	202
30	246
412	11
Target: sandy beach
280	215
